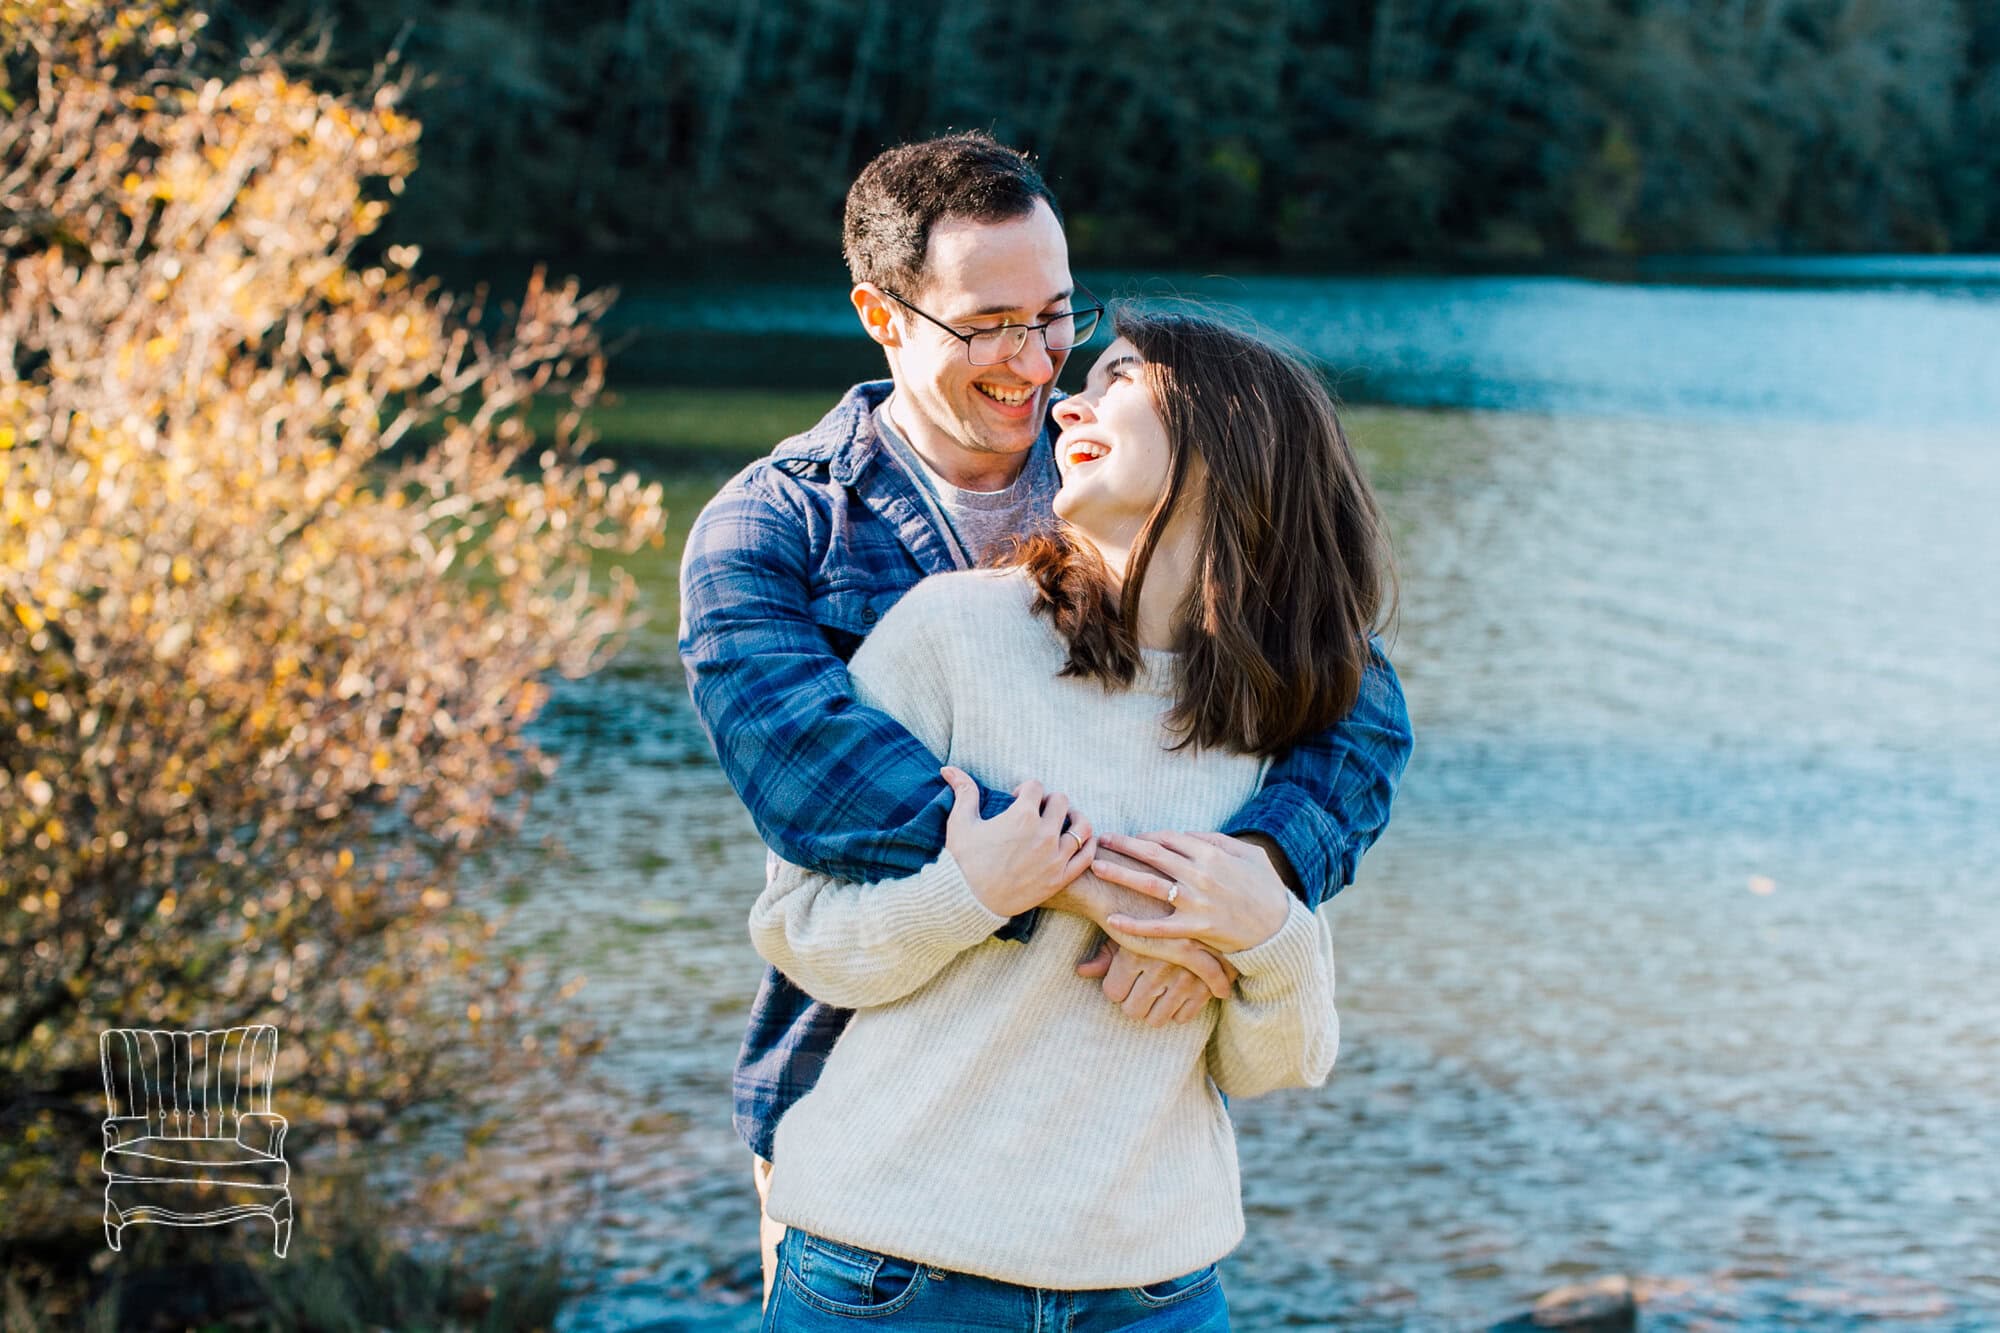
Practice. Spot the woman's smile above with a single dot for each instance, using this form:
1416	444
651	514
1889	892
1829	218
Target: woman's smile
1078	452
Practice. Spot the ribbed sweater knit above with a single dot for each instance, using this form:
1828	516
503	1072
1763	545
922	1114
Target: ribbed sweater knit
987	1110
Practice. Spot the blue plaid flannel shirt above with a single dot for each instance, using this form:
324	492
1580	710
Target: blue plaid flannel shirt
785	571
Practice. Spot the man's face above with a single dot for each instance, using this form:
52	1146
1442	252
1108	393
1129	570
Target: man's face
980	275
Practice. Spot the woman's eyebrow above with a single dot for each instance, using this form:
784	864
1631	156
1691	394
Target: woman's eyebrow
1097	374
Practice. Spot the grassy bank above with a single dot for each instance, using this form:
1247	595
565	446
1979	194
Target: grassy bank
675	427
693	439
687	427
224	1278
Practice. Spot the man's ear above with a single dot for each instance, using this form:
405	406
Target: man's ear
873	308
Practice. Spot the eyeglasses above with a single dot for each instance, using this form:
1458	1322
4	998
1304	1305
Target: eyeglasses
990	347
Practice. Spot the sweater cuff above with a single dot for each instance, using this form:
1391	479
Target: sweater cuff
953	914
1287	954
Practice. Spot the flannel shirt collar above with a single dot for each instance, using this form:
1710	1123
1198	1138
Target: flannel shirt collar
845	438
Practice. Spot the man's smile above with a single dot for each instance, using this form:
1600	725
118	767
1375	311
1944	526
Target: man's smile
1009	395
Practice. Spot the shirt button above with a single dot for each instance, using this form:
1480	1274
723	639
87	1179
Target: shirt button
868	615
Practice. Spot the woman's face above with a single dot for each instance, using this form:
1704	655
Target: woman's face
1113	452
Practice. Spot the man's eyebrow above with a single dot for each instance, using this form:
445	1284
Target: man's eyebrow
992	310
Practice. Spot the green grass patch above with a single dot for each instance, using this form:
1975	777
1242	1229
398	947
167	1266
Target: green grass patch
342	1276
692	439
675	425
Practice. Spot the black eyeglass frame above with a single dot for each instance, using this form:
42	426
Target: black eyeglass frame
1095	312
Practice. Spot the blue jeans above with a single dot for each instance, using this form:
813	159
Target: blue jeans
825	1285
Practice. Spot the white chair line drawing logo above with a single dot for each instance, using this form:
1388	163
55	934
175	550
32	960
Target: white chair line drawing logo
190	1139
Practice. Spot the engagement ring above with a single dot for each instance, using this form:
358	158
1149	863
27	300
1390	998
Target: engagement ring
1173	892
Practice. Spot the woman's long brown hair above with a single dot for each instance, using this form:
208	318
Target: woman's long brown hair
1293	571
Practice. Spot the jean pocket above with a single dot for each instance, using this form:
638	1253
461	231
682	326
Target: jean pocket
1177	1289
848	1280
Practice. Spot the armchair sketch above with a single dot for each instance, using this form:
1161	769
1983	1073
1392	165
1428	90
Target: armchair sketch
191	1139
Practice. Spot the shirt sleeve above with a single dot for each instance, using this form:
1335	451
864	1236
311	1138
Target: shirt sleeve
853	944
832	784
856	945
1326	799
1280	1028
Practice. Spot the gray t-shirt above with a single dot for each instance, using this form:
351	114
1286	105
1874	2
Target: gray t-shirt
978	521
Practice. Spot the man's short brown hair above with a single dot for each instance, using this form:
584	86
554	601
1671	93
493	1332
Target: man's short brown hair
906	190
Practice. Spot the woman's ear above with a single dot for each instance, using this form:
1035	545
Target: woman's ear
873	308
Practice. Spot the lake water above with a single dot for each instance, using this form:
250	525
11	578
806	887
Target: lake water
1674	961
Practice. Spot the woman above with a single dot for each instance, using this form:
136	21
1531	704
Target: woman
990	1144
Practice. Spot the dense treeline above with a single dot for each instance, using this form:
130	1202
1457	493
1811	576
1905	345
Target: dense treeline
1277	129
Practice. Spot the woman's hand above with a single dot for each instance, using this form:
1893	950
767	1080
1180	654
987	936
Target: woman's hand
1223	890
1022	856
1099	900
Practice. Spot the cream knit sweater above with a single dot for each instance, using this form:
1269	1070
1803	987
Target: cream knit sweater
987	1110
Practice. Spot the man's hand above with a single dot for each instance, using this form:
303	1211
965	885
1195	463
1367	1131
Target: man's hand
1150	990
1098	900
1225	893
1022	856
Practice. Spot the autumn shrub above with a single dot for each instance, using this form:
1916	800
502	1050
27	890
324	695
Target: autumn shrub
283	573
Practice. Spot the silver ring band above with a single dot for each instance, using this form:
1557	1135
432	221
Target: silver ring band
1173	892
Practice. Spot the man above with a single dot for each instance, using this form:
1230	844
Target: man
961	275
